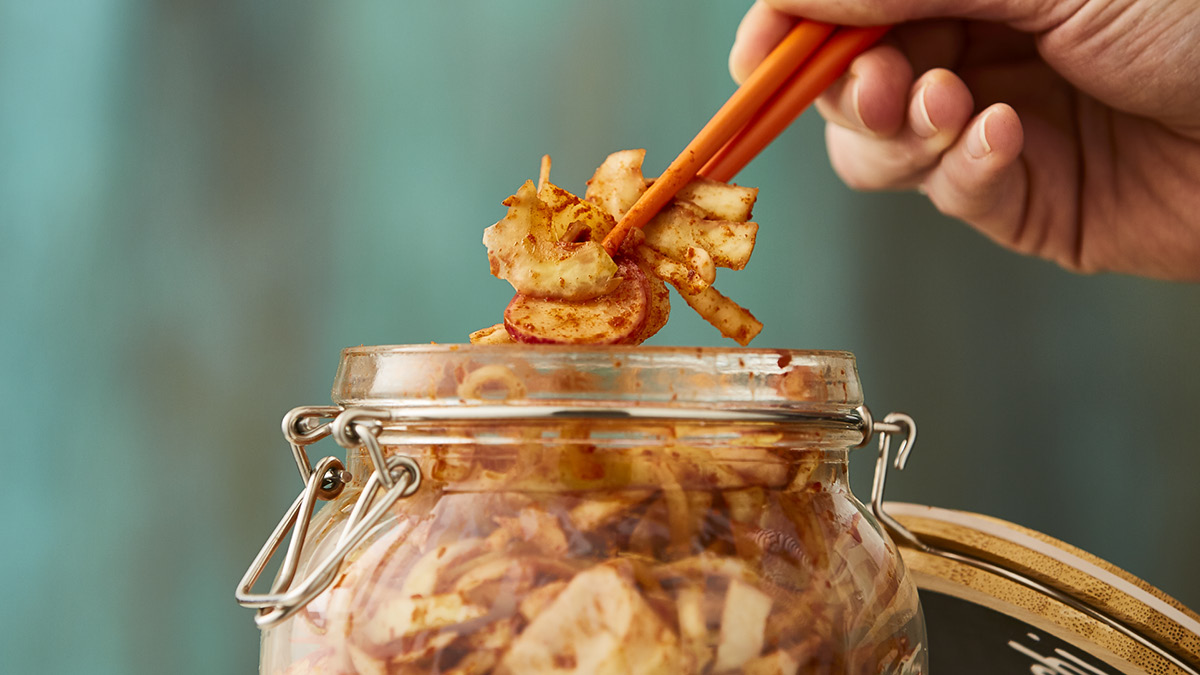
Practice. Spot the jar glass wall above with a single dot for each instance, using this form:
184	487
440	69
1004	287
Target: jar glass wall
609	511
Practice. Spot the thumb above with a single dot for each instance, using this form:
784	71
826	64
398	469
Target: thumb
1027	15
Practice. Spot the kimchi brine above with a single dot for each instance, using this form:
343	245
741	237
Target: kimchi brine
614	510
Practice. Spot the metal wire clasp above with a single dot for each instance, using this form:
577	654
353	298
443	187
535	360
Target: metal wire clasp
360	427
893	424
392	479
302	427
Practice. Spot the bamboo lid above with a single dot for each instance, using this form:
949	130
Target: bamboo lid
1000	598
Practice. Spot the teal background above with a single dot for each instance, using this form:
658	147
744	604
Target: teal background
202	202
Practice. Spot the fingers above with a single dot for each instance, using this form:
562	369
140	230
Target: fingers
871	97
761	29
1025	14
885	131
932	113
981	179
969	168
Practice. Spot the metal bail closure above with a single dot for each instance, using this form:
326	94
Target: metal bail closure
392	479
360	427
894	424
322	479
302	426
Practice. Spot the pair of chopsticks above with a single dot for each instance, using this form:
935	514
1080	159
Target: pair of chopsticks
805	63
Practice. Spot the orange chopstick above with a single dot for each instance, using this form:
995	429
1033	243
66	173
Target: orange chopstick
766	79
825	67
756	114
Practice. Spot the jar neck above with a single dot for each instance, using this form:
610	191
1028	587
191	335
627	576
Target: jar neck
619	454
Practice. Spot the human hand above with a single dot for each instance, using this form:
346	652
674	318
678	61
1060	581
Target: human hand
1065	130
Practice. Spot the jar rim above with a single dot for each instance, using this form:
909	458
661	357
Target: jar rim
433	347
821	382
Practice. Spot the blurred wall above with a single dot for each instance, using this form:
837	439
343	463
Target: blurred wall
202	202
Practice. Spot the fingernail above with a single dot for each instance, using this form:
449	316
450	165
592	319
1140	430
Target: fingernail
921	123
735	64
855	105
977	142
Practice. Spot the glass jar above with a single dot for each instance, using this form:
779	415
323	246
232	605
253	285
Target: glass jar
612	510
